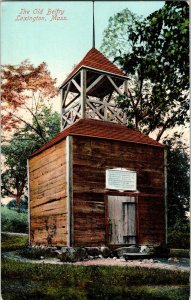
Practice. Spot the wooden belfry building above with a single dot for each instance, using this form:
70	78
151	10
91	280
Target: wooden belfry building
98	182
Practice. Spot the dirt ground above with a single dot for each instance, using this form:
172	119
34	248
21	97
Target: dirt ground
123	263
182	265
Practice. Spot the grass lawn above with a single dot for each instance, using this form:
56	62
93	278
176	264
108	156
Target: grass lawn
39	281
13	221
21	280
13	242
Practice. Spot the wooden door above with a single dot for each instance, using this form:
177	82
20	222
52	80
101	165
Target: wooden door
121	220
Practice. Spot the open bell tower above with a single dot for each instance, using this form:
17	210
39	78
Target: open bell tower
89	90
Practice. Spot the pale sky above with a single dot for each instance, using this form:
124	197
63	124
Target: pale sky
61	44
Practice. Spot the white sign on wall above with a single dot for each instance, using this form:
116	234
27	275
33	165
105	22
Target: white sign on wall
121	179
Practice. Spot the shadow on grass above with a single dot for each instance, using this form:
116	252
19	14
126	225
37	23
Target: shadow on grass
51	290
57	282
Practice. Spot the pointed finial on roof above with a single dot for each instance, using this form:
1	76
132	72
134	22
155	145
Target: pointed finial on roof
93	46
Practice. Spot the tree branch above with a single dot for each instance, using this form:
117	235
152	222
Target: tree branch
8	191
131	98
36	119
165	126
32	127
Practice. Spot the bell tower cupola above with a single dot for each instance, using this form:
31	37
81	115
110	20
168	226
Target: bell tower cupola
90	89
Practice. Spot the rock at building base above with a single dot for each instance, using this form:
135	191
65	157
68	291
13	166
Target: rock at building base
58	253
105	251
123	250
70	254
93	251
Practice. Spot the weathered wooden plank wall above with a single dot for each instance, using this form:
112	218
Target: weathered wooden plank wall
48	213
91	157
151	219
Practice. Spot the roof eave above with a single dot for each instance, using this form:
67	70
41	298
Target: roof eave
93	69
68	133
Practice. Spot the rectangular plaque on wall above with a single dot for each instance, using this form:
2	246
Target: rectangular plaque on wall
121	179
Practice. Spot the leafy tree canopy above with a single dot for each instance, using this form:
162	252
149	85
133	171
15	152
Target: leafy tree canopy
23	143
26	91
178	191
158	66
24	87
116	36
178	179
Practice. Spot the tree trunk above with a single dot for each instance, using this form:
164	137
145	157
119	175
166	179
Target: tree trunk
17	198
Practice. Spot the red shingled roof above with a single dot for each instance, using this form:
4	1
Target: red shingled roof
96	60
102	130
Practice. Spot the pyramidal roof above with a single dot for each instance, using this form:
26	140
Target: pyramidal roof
102	130
94	59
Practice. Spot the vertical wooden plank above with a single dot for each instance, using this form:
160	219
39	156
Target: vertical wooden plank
110	217
83	93
106	220
112	221
119	220
116	219
129	221
131	218
125	220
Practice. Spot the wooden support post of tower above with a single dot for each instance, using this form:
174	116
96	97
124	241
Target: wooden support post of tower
83	93
62	108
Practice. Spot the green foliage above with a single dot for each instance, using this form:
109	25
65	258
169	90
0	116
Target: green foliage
45	125
185	253
158	67
168	42
116	36
13	242
38	281
177	180
53	291
178	183
155	55
13	221
23	204
14	178
179	234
